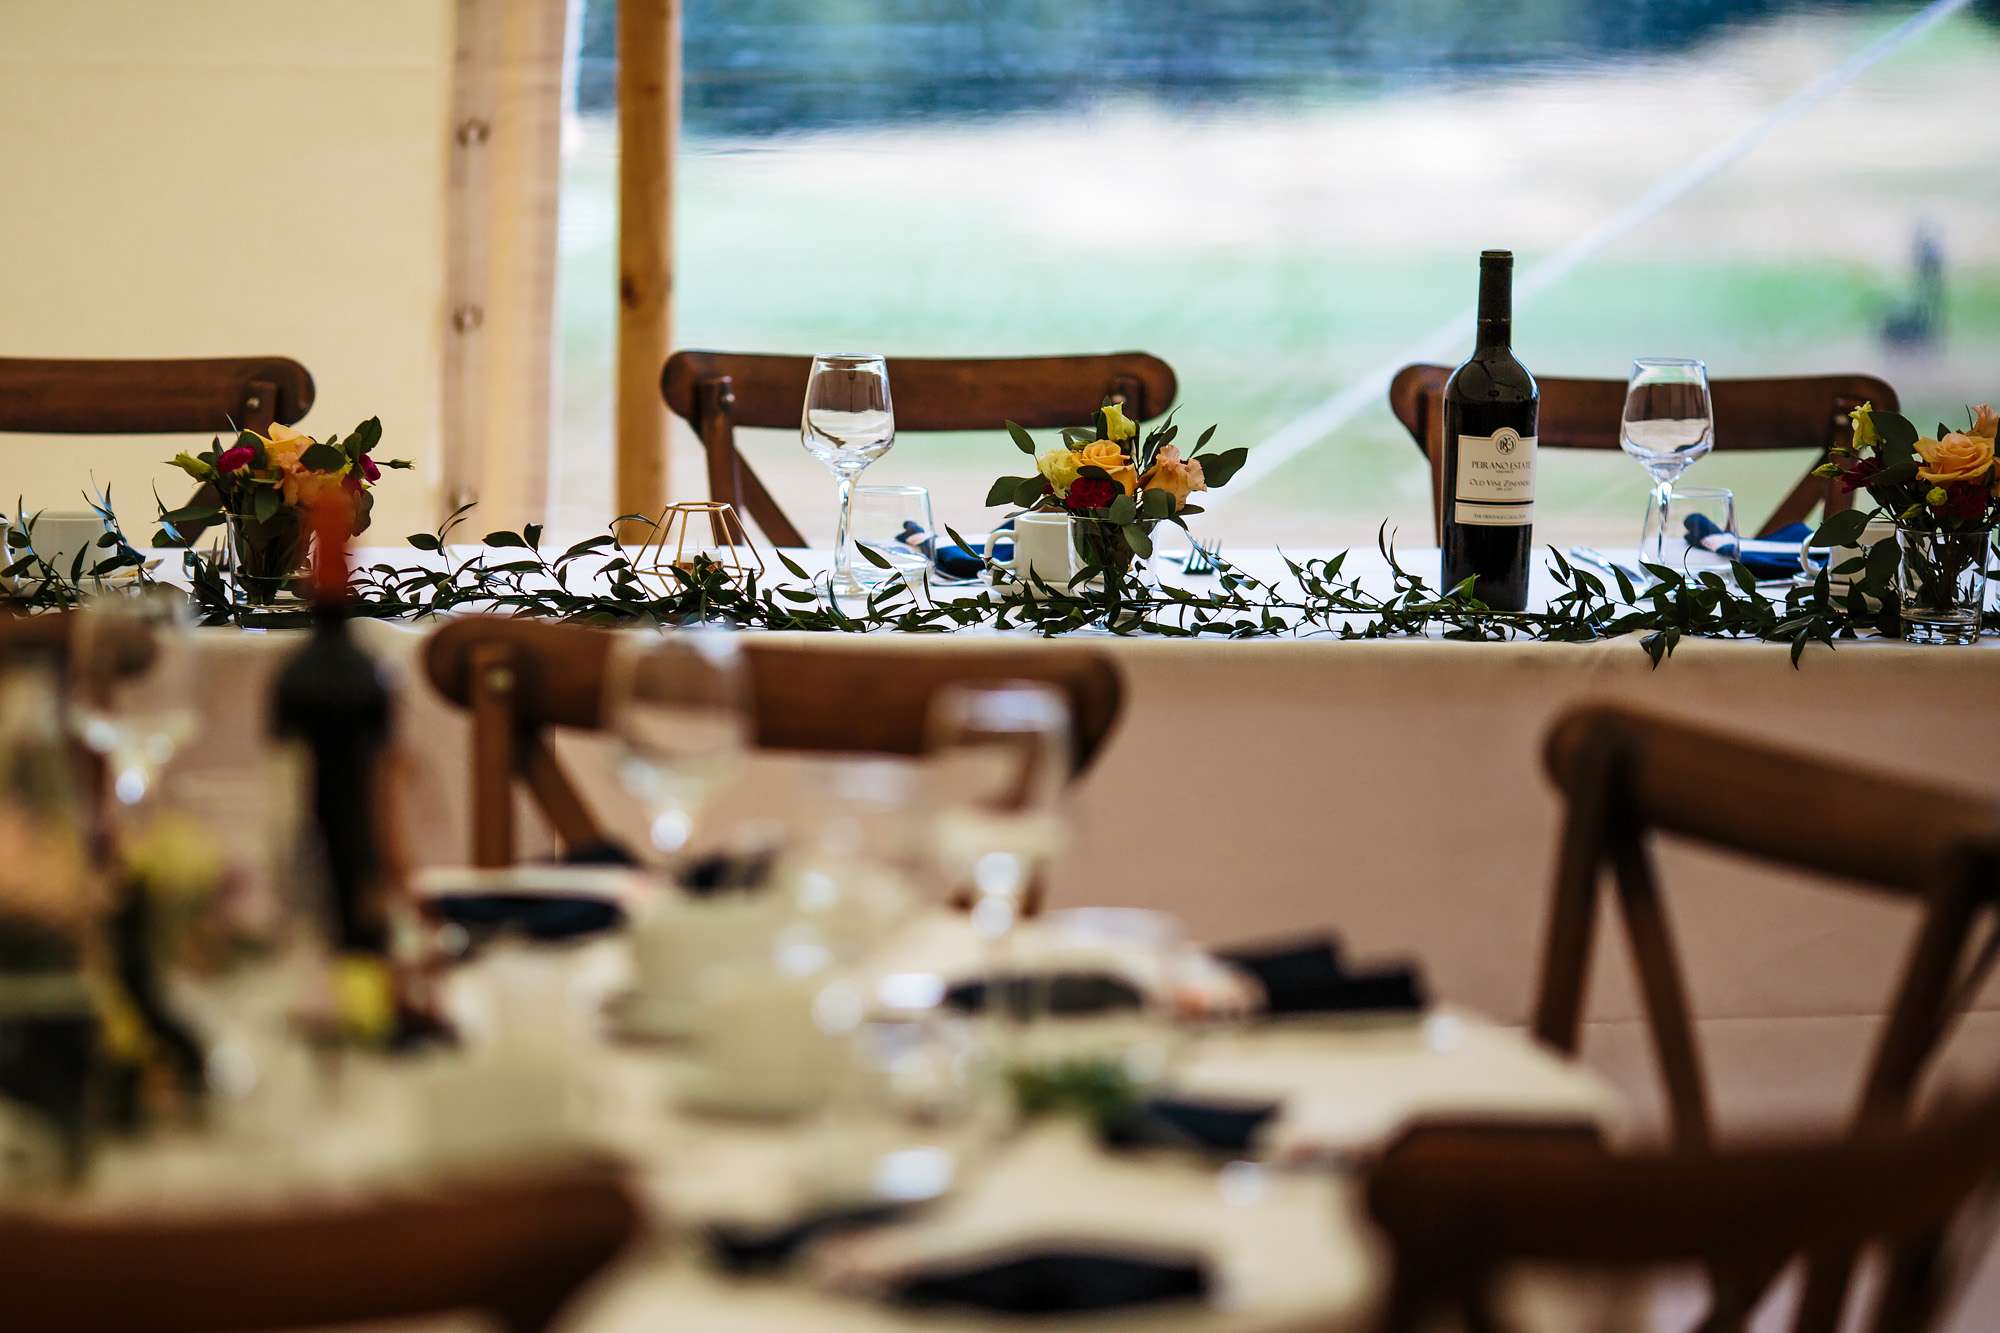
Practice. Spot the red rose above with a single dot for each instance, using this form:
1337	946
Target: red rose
233	459
1964	499
1091	493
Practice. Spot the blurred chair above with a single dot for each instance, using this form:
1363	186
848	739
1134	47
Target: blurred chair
716	392
521	677
57	397
1625	774
516	1252
1461	1206
1808	412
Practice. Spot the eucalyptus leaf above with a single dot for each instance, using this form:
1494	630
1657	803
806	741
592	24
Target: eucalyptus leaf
1022	440
1217	469
873	556
1138	539
1842	529
1002	491
1028	490
1123	509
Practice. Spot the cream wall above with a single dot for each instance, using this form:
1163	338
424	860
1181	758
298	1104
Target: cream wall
222	177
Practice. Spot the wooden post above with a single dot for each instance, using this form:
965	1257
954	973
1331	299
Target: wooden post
649	115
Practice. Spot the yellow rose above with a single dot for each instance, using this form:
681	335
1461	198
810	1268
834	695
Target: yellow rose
1117	425
1986	422
1176	476
1864	425
1058	468
1107	455
1957	457
283	446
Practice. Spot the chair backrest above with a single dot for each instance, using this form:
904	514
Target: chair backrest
516	1251
1804	412
1625	773
1460	1205
521	677
77	397
715	392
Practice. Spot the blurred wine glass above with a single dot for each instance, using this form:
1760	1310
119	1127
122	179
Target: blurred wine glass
848	422
1667	424
679	705
132	684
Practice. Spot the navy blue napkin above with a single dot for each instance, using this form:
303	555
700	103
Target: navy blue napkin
952	560
539	916
1309	976
745	1248
1058	1280
725	873
1066	993
1176	1122
1772	557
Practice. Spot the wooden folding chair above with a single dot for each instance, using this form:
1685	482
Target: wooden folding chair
74	397
1461	1206
1625	774
521	677
516	1252
716	392
1805	412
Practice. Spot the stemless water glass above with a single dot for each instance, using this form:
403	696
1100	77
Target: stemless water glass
848	422
1667	424
132	684
892	521
998	753
1695	530
679	706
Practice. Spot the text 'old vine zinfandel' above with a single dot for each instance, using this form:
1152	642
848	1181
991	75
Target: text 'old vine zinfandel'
1490	407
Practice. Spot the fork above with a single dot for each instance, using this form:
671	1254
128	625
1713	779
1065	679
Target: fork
1202	558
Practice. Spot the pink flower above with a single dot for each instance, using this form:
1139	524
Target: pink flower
235	459
369	472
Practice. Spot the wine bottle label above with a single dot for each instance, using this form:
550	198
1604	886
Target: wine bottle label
1495	485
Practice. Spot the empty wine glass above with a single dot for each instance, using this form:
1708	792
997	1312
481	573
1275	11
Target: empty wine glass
999	752
679	706
1667	424
132	684
848	422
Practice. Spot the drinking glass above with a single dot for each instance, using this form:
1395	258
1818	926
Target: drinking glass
998	753
1667	424
679	706
1677	536
894	522
848	422
132	684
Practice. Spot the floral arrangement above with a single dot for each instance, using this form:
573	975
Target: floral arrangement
1115	485
1944	482
264	485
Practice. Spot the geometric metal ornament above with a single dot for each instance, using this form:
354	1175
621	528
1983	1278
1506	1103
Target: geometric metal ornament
676	540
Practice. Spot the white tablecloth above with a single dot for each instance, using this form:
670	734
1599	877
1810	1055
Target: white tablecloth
1392	791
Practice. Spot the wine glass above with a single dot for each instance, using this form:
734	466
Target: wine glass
1697	529
132	684
999	752
895	522
1667	424
679	706
848	423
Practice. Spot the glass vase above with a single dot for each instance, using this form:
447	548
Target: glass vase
1121	571
1941	582
265	557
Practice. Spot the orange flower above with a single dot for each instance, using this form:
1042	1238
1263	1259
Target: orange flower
1985	421
1957	457
1107	455
1176	476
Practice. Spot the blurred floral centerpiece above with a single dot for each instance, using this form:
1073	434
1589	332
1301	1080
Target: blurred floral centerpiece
263	486
1115	485
1943	492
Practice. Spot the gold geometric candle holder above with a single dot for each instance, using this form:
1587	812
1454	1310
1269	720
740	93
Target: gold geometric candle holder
674	543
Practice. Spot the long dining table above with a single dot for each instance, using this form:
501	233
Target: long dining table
1391	790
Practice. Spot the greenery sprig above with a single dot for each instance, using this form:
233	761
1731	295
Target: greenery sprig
595	581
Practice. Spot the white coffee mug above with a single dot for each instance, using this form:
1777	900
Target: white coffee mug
678	939
59	536
1041	550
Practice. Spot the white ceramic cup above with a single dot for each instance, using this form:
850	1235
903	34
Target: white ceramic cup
680	938
1878	529
59	536
1042	549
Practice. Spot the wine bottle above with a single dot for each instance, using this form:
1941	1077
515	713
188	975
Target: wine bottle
1490	409
331	699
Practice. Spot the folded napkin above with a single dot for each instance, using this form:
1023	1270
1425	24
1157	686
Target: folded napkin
1057	1280
1772	557
1065	993
952	560
1309	977
1176	1122
748	1248
539	916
